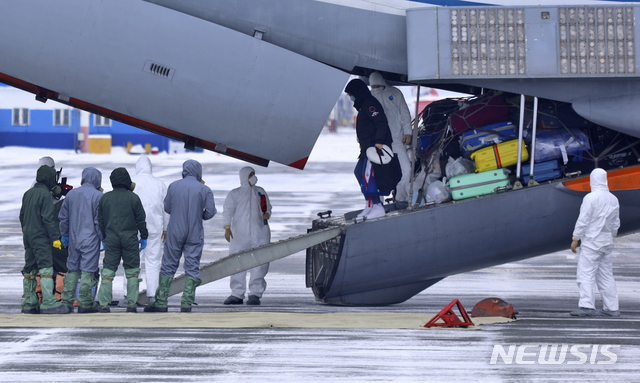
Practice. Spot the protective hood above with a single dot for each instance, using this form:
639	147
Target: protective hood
376	79
598	180
244	176
192	168
143	165
120	178
92	176
358	89
46	175
47	161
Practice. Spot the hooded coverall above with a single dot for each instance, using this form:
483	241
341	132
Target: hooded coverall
121	216
399	119
596	227
188	203
79	221
371	129
152	192
243	212
39	231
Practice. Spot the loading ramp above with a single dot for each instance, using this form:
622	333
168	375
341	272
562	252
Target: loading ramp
251	258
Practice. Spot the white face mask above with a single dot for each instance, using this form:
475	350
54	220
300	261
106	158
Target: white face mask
253	180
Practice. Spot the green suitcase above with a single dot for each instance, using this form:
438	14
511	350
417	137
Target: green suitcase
477	184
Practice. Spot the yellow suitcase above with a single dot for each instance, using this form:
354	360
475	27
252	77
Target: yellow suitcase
498	156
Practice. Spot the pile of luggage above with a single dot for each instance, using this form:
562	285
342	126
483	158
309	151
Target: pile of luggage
475	140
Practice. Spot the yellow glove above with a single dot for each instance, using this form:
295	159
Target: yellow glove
227	233
57	244
407	139
574	245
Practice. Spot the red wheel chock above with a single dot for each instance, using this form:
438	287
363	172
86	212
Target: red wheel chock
450	318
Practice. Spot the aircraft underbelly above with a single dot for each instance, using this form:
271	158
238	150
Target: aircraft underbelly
172	70
397	254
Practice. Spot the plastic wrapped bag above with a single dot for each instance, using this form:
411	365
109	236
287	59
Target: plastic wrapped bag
438	192
459	167
560	143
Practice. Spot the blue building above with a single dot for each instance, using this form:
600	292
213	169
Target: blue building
27	122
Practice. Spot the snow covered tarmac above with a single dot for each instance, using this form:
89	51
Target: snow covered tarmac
542	289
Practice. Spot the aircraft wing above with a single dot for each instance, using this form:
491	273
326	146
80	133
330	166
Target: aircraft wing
170	73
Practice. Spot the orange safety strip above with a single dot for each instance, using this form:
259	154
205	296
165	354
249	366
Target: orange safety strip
47	276
621	179
496	153
133	276
107	279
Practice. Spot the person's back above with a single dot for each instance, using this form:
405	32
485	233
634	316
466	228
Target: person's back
121	216
152	193
189	202
40	231
79	227
596	227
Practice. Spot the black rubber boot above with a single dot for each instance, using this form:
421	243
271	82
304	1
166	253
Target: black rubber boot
253	300
233	301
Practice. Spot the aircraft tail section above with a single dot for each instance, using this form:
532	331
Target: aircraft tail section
170	73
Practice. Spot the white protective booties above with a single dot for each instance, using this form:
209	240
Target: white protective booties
376	211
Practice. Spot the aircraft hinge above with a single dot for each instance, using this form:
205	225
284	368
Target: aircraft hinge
220	148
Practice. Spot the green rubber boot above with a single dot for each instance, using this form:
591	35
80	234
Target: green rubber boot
161	303
189	295
69	292
105	293
86	305
133	288
30	303
50	303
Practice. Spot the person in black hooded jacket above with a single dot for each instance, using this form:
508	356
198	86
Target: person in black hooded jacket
372	129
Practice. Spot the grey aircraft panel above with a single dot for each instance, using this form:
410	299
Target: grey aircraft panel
208	81
338	35
399	253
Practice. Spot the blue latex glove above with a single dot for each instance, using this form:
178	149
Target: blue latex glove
102	248
65	242
143	244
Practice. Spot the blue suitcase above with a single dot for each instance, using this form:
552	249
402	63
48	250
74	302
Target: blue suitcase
543	171
478	138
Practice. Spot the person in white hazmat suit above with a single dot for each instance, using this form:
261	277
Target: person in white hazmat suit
399	118
245	215
152	192
596	227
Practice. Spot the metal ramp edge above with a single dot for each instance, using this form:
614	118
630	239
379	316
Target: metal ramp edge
251	258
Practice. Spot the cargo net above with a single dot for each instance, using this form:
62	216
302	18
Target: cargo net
563	137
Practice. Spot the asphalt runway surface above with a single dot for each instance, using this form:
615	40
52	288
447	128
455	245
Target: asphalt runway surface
541	289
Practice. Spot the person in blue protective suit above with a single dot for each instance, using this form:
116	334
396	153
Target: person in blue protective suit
372	129
595	229
188	203
80	230
39	232
245	215
121	216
